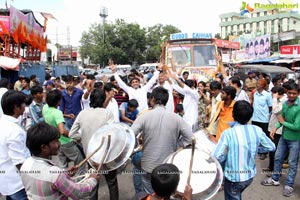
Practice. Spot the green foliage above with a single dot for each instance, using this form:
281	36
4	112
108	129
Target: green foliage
124	43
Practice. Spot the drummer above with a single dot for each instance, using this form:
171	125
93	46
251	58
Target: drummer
163	132
41	178
89	121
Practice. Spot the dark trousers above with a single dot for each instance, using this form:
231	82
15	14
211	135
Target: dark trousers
233	190
272	153
20	195
112	183
264	127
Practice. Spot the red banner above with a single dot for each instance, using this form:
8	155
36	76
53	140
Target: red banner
227	44
290	50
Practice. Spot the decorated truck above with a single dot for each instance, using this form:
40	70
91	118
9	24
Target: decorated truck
196	53
193	51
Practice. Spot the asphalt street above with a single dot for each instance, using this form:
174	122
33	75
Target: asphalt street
254	192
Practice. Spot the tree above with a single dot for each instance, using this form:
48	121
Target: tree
155	37
218	36
124	43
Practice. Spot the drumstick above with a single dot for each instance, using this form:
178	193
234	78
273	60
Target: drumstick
96	150
105	154
191	161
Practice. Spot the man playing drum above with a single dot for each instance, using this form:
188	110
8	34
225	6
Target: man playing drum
162	132
44	180
89	121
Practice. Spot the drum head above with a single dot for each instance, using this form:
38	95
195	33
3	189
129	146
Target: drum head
121	145
206	176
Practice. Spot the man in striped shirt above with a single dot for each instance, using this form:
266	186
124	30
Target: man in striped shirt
237	148
41	178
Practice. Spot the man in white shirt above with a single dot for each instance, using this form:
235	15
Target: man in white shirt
190	101
162	81
111	103
134	91
240	93
12	145
3	89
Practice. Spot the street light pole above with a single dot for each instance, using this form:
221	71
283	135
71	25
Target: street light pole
103	14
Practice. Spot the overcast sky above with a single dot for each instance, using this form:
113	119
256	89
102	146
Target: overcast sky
78	15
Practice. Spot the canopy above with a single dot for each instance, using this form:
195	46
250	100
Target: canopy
288	61
10	63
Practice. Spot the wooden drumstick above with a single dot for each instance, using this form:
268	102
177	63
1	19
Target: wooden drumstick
105	153
191	161
96	150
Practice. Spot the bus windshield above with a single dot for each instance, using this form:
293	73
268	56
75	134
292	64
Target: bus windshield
193	55
204	55
181	55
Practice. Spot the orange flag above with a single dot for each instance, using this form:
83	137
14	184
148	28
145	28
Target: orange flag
4	29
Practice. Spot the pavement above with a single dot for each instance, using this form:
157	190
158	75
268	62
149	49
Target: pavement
254	192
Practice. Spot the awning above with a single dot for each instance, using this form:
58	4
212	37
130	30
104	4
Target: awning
288	61
10	63
269	59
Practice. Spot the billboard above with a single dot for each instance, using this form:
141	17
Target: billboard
16	17
257	48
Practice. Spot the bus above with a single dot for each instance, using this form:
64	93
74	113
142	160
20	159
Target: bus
193	51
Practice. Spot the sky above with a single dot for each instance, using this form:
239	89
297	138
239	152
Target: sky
76	16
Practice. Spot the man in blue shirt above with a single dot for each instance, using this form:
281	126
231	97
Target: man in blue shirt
237	149
70	102
36	107
129	111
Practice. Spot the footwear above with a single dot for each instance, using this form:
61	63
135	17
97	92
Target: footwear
288	191
270	182
269	174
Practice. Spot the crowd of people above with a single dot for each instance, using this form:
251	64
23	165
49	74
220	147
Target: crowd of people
163	107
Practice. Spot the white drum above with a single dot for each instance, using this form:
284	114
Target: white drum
206	176
121	146
204	142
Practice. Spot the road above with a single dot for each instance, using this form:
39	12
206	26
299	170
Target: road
254	192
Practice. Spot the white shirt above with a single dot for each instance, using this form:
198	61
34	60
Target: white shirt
190	104
85	102
2	91
13	152
139	94
242	95
114	108
170	103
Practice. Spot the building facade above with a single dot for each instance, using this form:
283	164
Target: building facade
262	22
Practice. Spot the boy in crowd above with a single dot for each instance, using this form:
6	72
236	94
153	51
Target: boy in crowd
164	181
54	117
44	180
12	145
36	107
289	141
128	111
237	149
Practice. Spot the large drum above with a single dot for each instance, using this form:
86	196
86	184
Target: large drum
206	177
121	146
204	141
